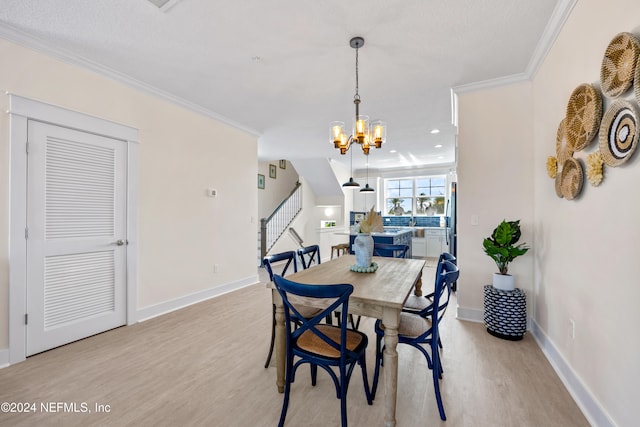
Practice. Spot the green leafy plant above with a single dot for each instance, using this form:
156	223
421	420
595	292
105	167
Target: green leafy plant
501	246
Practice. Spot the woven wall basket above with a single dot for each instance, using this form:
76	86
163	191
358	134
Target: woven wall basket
584	111
619	132
572	178
558	183
619	64
563	152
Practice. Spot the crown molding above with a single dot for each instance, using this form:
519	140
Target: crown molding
552	30
24	39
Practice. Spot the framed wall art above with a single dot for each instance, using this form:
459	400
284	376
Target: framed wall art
272	171
283	164
261	181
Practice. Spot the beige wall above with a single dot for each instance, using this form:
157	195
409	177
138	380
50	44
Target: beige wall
182	233
495	182
585	265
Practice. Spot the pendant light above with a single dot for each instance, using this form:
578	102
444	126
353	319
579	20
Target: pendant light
351	184
366	188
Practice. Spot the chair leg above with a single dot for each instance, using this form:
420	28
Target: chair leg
365	379
354	325
314	374
287	390
376	371
436	386
273	335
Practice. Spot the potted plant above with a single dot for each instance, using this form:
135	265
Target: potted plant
502	248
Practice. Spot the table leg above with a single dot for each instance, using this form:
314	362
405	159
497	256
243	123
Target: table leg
390	320
280	341
418	289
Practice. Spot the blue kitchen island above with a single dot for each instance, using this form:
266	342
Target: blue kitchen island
390	236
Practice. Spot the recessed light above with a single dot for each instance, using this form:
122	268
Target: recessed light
440	157
438	146
392	151
435	130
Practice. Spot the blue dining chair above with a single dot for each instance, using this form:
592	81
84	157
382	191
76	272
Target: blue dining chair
321	345
284	260
417	331
416	304
309	255
389	250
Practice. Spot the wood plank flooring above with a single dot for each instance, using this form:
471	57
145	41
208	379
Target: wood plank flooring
204	366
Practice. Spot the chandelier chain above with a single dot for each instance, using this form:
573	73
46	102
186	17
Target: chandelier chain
357	95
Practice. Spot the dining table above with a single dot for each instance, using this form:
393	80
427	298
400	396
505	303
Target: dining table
380	294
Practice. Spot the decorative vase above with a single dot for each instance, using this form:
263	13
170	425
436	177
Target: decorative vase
363	247
504	282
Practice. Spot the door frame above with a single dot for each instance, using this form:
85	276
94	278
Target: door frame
21	110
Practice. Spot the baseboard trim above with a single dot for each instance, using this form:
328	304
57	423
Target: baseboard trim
588	404
4	358
470	314
152	311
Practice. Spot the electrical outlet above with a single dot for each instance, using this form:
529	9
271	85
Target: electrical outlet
215	268
572	329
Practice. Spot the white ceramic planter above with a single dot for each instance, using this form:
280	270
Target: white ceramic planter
363	247
504	282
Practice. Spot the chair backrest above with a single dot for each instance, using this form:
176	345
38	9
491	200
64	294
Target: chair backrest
308	255
442	293
337	298
289	257
388	250
445	256
446	274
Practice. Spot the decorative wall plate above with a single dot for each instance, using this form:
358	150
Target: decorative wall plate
572	178
563	152
584	111
619	132
619	64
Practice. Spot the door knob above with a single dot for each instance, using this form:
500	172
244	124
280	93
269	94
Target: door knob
121	242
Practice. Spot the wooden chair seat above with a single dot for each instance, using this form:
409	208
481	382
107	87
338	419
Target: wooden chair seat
310	342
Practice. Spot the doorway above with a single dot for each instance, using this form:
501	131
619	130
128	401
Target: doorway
74	190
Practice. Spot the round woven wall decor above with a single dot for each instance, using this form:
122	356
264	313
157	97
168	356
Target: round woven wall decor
572	178
619	132
619	64
584	111
559	184
563	152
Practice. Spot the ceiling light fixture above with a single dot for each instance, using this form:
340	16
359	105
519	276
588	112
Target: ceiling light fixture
364	133
435	131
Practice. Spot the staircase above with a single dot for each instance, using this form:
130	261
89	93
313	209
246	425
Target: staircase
275	225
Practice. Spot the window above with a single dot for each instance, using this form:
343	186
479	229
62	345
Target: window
415	196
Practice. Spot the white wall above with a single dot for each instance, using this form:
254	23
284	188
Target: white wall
495	182
586	249
182	232
583	266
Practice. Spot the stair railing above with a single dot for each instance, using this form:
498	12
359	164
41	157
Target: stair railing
271	228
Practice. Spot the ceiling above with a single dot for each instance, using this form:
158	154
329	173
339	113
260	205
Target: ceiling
283	69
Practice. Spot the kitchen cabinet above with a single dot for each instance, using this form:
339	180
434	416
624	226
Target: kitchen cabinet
419	247
436	242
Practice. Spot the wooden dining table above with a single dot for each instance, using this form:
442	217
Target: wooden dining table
380	295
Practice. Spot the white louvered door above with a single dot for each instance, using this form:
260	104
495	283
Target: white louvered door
76	245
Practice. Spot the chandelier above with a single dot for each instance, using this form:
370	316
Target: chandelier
363	132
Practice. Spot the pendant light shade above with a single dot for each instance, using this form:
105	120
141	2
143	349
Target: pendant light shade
367	189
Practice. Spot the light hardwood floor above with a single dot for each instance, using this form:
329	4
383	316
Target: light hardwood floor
204	366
